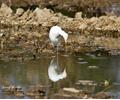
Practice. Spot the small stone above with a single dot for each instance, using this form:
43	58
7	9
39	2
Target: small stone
72	90
19	11
78	15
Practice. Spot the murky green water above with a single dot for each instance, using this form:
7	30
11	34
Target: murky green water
34	72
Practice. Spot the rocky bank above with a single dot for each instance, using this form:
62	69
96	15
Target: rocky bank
25	33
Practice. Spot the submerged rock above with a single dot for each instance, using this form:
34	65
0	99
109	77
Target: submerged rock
39	91
13	90
102	95
71	90
62	96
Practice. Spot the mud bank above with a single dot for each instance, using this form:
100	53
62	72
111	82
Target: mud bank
25	33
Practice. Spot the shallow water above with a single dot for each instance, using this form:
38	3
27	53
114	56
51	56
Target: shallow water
80	67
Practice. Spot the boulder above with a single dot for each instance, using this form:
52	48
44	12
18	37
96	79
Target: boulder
19	11
42	15
5	10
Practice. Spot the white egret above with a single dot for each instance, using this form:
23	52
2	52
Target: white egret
56	34
54	72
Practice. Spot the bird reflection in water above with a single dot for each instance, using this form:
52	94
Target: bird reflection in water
54	71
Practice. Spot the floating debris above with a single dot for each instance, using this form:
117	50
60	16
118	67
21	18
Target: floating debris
86	82
80	59
65	55
106	83
90	55
82	62
93	67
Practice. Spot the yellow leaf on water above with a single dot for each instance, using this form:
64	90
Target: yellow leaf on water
106	83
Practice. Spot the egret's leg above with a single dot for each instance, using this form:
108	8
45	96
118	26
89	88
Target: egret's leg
57	54
47	90
65	49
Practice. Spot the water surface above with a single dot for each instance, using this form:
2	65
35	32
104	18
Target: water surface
78	67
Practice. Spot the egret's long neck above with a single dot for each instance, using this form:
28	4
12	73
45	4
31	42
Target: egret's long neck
64	34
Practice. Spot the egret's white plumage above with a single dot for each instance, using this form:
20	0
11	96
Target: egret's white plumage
55	33
53	73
